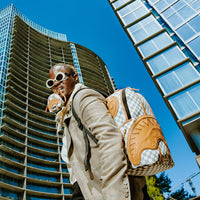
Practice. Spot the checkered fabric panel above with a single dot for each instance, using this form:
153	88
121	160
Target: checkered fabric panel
149	157
120	117
148	170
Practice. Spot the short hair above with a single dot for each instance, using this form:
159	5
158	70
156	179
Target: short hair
70	68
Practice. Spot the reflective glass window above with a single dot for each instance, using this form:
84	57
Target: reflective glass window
182	104
196	137
67	191
119	3
194	45
9	194
42	166
195	23
170	1
195	5
11	181
141	12
165	59
186	32
178	5
64	169
155	44
39	198
65	180
161	5
144	28
175	20
40	188
132	12
130	7
152	1
177	78
186	102
178	12
194	92
10	168
42	177
186	12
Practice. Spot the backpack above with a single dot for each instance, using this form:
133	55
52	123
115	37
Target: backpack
143	141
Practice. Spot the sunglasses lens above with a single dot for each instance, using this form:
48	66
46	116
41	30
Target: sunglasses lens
59	77
50	83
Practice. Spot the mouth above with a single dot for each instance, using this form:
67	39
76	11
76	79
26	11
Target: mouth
58	90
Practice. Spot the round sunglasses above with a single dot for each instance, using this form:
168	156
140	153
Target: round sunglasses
60	76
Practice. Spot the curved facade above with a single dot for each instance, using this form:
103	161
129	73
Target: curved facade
31	165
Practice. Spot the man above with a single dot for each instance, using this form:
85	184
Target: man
106	177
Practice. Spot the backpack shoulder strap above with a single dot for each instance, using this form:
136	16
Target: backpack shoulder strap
125	104
86	132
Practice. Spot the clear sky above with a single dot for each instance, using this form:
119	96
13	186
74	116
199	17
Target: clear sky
93	24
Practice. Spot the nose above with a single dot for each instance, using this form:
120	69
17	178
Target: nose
55	86
56	83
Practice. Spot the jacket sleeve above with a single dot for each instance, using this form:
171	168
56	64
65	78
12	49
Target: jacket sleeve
95	116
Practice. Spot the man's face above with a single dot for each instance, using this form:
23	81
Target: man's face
66	86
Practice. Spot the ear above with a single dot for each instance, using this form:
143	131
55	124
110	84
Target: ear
76	78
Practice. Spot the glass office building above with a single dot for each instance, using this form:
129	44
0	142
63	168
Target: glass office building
30	161
166	35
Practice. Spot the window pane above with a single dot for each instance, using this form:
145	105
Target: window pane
196	137
183	104
161	5
185	32
158	64
170	1
175	20
166	59
168	12
155	44
194	92
187	74
196	5
135	14
147	48
132	6
169	82
178	78
119	3
186	12
139	35
124	11
194	45
144	28
178	5
141	12
129	18
152	1
195	23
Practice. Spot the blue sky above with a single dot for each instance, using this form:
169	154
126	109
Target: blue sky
93	24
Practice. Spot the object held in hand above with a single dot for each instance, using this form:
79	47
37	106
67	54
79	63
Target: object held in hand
54	103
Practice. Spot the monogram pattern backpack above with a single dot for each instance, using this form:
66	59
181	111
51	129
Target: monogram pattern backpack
144	143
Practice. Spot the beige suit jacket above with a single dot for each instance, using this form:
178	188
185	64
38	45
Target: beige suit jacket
107	179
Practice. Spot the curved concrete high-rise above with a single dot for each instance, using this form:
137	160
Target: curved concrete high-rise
30	161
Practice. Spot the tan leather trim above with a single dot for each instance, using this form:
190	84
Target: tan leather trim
113	105
145	133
